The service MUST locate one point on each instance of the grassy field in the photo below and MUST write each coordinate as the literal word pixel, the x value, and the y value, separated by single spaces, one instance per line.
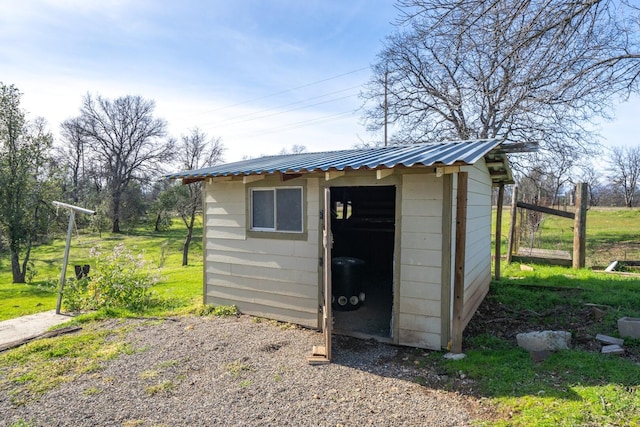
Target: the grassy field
pixel 612 234
pixel 580 386
pixel 179 286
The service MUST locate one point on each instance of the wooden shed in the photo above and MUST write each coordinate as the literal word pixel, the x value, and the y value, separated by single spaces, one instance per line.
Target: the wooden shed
pixel 406 231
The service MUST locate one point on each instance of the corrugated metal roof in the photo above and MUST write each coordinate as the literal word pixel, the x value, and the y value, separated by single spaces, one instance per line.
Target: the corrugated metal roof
pixel 444 153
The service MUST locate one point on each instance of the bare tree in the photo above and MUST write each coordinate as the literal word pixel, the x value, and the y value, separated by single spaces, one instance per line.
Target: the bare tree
pixel 589 174
pixel 126 140
pixel 625 168
pixel 519 70
pixel 194 151
pixel 295 149
pixel 73 156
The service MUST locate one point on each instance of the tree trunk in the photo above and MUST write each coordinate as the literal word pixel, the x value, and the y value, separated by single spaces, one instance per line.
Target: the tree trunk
pixel 158 218
pixel 187 240
pixel 185 247
pixel 18 274
pixel 116 213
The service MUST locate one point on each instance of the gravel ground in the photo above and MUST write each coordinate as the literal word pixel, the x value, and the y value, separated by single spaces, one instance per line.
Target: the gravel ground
pixel 238 371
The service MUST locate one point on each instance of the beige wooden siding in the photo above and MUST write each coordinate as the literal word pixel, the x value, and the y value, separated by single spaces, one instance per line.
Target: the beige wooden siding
pixel 478 245
pixel 419 307
pixel 275 278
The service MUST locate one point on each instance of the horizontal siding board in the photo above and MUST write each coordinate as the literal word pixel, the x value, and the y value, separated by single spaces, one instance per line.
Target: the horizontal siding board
pixel 308 278
pixel 420 306
pixel 218 268
pixel 421 224
pixel 419 323
pixel 262 286
pixel 283 302
pixel 225 209
pixel 420 290
pixel 227 192
pixel 300 318
pixel 426 241
pixel 265 247
pixel 414 273
pixel 232 221
pixel 419 339
pixel 422 186
pixel 264 260
pixel 427 258
pixel 226 233
pixel 422 208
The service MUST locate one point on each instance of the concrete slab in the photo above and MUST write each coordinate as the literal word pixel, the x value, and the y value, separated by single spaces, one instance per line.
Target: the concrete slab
pixel 30 326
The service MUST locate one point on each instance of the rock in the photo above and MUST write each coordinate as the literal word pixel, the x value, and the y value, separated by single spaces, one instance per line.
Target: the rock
pixel 455 356
pixel 598 314
pixel 612 349
pixel 606 339
pixel 629 327
pixel 544 340
pixel 525 267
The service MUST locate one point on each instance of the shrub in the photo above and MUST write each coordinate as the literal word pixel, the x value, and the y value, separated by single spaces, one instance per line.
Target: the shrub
pixel 118 280
pixel 217 310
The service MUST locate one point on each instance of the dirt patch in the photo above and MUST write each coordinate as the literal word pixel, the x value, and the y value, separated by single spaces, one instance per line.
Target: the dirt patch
pixel 585 322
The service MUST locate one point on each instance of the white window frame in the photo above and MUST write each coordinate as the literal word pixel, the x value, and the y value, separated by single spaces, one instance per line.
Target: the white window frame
pixel 275 210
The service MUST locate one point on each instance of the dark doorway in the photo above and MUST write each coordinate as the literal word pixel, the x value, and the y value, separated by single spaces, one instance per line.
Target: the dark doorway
pixel 363 227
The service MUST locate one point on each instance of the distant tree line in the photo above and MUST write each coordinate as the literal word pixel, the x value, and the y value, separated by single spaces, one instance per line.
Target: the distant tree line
pixel 612 178
pixel 110 158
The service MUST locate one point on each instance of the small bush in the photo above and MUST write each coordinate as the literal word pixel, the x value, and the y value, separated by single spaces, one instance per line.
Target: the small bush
pixel 118 280
pixel 217 310
pixel 76 294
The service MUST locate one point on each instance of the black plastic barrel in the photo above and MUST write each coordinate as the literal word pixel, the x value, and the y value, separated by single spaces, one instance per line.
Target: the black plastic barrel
pixel 347 276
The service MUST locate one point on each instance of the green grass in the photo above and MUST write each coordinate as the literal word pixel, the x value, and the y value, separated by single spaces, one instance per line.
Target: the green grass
pixel 569 388
pixel 180 287
pixel 574 387
pixel 43 364
pixel 612 234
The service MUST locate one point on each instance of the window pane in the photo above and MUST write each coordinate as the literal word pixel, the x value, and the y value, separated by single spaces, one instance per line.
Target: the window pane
pixel 262 209
pixel 289 209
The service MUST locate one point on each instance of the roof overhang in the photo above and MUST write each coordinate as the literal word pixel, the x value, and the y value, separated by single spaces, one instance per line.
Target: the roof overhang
pixel 436 155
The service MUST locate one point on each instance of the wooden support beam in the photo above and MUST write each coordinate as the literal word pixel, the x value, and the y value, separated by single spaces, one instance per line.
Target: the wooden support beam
pixel 252 178
pixel 580 226
pixel 459 266
pixel 495 164
pixel 383 173
pixel 546 210
pixel 220 179
pixel 512 227
pixel 287 176
pixel 498 238
pixel 329 175
pixel 191 180
pixel 446 169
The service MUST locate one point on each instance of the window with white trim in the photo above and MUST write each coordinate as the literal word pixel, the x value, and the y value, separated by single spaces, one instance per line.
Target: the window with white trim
pixel 277 209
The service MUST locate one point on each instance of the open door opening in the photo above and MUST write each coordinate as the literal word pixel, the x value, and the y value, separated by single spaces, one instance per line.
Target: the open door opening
pixel 363 227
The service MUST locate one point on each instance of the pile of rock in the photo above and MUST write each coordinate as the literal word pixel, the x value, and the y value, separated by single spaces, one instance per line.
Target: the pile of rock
pixel 610 345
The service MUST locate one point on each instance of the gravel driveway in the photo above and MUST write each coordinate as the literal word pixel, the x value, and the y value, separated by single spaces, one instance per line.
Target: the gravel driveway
pixel 240 371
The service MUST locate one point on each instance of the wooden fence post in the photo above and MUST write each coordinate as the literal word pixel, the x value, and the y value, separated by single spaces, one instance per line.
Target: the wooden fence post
pixel 498 238
pixel 512 226
pixel 459 265
pixel 580 226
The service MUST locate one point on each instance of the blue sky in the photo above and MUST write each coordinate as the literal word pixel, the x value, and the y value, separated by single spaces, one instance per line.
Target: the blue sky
pixel 262 75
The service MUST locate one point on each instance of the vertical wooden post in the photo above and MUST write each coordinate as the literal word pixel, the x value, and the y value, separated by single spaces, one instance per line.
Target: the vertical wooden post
pixel 498 238
pixel 458 278
pixel 580 226
pixel 512 226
